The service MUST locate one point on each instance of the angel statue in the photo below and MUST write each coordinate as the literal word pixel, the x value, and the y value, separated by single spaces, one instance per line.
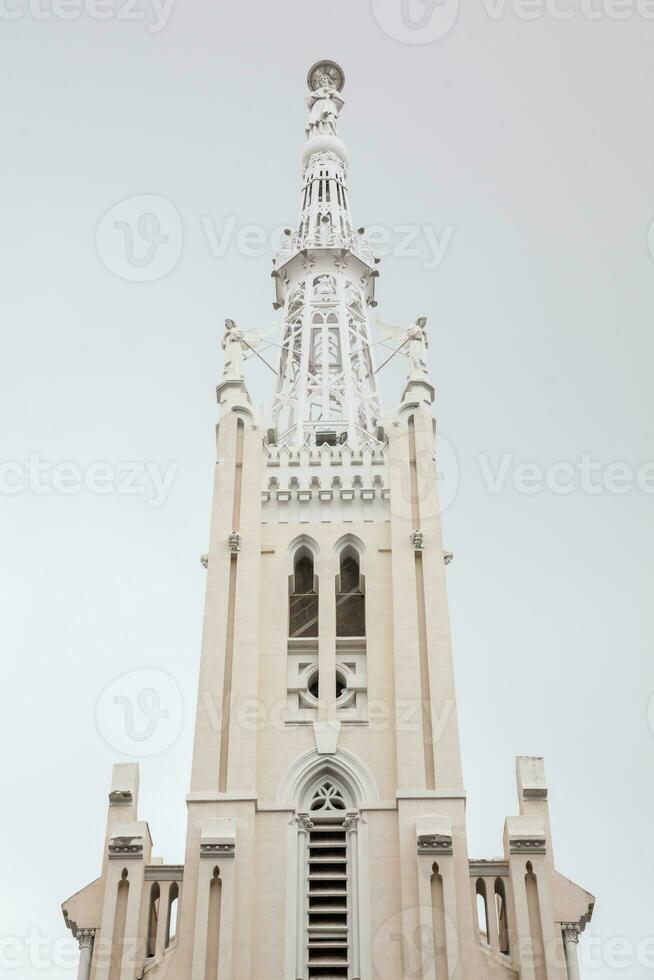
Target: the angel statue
pixel 234 341
pixel 416 339
pixel 325 103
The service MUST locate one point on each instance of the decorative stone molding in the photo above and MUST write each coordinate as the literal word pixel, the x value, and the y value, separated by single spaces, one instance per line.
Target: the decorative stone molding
pixel 433 834
pixel 210 850
pixel 85 937
pixel 304 822
pixel 418 539
pixel 351 821
pixel 204 561
pixel 122 847
pixel 526 835
pixel 234 542
pixel 434 845
pixel 346 766
pixel 127 839
pixel 448 557
pixel 533 845
pixel 571 931
pixel 121 797
pixel 488 869
pixel 164 872
pixel 218 837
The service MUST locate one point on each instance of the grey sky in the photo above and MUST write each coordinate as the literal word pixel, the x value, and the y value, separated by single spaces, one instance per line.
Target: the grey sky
pixel 531 141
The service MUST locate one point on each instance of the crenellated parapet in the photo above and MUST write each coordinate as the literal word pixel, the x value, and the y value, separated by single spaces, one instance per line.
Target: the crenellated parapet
pixel 327 483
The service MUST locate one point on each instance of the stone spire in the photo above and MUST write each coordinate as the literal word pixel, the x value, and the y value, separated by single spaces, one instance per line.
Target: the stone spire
pixel 325 276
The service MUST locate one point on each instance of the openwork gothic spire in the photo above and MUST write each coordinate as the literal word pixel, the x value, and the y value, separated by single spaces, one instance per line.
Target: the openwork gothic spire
pixel 325 275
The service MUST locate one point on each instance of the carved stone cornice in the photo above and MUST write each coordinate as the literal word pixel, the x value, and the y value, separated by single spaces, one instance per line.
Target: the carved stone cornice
pixel 210 849
pixel 527 845
pixel 480 868
pixel 526 835
pixel 164 872
pixel 434 844
pixel 126 847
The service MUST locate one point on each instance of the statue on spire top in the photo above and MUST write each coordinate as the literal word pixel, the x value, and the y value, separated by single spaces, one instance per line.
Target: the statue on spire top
pixel 325 81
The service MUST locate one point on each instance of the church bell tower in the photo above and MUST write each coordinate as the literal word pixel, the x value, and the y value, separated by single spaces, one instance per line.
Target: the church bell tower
pixel 326 833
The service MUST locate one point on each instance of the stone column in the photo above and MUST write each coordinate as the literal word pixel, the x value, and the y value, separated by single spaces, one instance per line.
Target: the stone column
pixel 570 931
pixel 85 939
pixel 351 824
pixel 160 940
pixel 304 825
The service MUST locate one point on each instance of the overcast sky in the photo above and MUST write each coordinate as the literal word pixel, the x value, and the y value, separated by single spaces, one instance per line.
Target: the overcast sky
pixel 518 150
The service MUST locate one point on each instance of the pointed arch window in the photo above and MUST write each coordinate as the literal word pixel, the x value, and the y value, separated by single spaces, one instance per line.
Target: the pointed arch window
pixel 303 598
pixel 171 920
pixel 350 598
pixel 482 910
pixel 502 918
pixel 153 920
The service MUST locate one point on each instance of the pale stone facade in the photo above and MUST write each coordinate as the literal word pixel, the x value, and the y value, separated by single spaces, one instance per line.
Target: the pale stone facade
pixel 326 813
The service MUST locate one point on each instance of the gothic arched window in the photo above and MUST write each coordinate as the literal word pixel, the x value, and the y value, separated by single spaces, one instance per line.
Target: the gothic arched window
pixel 153 920
pixel 303 599
pixel 502 922
pixel 482 910
pixel 350 599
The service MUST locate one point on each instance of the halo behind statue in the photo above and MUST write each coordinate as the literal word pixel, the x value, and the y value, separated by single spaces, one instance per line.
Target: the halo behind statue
pixel 330 68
